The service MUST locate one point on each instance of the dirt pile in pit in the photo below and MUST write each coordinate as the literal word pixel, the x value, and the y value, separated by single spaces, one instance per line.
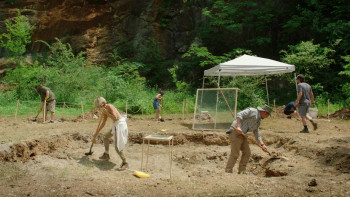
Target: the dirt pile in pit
pixel 204 116
pixel 279 112
pixel 341 114
pixel 274 166
pixel 93 114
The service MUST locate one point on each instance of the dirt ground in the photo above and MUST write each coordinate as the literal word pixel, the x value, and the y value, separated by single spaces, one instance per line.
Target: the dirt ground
pixel 39 159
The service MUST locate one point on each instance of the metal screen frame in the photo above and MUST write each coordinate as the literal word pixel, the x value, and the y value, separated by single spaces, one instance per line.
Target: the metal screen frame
pixel 218 92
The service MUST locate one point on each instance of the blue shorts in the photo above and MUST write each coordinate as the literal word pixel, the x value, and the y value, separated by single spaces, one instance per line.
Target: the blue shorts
pixel 156 104
pixel 303 109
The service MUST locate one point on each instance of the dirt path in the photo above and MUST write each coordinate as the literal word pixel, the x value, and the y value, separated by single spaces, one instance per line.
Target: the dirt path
pixel 48 160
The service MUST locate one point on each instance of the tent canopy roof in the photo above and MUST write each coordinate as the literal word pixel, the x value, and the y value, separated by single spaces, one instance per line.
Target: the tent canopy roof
pixel 247 65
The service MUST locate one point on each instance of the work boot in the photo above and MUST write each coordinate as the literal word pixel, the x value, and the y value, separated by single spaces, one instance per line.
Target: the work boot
pixel 314 124
pixel 305 130
pixel 105 156
pixel 124 166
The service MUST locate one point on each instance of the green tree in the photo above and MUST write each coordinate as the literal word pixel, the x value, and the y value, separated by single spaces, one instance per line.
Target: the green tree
pixel 17 37
pixel 315 63
pixel 346 86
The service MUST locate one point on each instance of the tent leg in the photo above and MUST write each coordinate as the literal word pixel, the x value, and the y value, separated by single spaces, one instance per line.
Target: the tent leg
pixel 217 98
pixel 267 92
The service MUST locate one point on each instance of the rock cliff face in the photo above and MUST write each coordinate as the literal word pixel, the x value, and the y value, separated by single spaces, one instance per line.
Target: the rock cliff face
pixel 99 26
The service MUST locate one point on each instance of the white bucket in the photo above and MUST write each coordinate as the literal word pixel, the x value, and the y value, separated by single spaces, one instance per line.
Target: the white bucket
pixel 313 112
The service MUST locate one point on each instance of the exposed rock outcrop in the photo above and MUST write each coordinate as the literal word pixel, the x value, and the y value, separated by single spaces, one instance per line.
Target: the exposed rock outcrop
pixel 96 27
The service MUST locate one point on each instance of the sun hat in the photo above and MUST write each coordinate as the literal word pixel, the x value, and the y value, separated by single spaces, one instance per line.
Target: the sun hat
pixel 266 108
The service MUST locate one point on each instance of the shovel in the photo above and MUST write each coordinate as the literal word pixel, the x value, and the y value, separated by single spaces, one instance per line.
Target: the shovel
pixel 245 136
pixel 161 113
pixel 251 140
pixel 41 108
pixel 95 136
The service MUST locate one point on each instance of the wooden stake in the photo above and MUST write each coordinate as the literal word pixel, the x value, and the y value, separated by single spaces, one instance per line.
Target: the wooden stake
pixel 64 105
pixel 82 110
pixel 16 110
pixel 328 110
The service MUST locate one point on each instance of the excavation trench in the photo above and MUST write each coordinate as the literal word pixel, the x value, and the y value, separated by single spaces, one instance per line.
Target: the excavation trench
pixel 259 164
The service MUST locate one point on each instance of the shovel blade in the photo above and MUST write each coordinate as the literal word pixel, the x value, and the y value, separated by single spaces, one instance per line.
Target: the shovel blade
pixel 89 153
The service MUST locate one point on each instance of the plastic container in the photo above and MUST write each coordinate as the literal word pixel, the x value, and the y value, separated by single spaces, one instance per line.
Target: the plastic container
pixel 313 112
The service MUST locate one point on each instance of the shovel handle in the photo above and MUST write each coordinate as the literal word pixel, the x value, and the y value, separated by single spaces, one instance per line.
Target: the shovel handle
pixel 251 140
pixel 97 131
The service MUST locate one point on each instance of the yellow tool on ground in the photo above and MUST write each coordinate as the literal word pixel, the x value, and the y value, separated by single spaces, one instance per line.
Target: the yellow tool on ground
pixel 141 174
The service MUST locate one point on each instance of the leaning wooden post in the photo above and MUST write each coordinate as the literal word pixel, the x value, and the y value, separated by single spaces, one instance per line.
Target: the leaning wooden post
pixel 16 110
pixel 82 110
pixel 64 105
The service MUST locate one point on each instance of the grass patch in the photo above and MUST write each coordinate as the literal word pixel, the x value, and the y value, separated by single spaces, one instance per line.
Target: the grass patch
pixel 333 107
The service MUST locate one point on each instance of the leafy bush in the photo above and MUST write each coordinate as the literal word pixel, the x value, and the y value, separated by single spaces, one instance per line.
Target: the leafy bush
pixel 17 37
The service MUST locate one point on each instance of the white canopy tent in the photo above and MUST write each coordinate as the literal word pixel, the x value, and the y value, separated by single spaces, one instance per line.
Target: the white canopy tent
pixel 247 65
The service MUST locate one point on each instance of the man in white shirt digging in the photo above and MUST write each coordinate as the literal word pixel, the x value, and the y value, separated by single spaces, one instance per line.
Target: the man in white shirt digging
pixel 119 130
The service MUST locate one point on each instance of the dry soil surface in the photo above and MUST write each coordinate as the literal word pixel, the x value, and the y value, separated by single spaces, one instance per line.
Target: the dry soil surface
pixel 39 159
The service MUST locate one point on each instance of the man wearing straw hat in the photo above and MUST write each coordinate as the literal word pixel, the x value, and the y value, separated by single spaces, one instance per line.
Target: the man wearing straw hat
pixel 119 130
pixel 47 95
pixel 304 99
pixel 247 120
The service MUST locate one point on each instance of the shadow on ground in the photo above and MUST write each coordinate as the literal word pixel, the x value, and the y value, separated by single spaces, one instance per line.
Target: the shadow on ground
pixel 100 164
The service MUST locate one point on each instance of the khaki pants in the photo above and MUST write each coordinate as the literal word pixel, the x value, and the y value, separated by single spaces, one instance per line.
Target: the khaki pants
pixel 50 106
pixel 107 136
pixel 238 143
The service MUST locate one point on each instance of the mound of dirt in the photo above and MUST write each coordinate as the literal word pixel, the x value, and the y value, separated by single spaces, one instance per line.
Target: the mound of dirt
pixel 26 150
pixel 341 114
pixel 279 112
pixel 203 116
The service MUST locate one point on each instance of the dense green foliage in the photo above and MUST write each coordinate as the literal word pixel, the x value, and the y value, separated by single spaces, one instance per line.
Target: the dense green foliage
pixel 17 38
pixel 73 80
pixel 314 35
